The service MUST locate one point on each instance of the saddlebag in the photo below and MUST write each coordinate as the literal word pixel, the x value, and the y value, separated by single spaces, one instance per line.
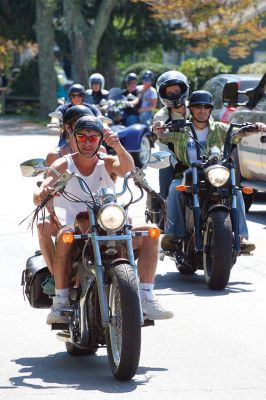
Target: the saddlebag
pixel 33 276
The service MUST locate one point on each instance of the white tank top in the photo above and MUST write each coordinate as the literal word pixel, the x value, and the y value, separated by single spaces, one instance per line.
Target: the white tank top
pixel 67 210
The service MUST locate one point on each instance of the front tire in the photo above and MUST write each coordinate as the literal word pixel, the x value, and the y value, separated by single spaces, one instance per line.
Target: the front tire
pixel 217 249
pixel 143 155
pixel 123 335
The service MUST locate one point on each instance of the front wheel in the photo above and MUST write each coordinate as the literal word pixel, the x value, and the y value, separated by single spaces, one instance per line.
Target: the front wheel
pixel 218 249
pixel 123 335
pixel 143 155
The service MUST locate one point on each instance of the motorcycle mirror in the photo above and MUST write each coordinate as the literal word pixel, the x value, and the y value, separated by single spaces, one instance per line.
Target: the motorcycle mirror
pixel 55 114
pixel 159 160
pixel 231 95
pixel 33 167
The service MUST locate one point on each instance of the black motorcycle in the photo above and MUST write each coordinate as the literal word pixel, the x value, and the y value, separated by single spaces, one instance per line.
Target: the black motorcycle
pixel 212 240
pixel 105 307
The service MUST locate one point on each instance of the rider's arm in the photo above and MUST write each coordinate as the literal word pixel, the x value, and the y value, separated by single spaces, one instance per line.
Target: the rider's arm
pixel 121 163
pixel 57 168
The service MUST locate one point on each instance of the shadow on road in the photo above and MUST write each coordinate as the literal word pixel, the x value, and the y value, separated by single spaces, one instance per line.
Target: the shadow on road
pixel 195 284
pixel 81 373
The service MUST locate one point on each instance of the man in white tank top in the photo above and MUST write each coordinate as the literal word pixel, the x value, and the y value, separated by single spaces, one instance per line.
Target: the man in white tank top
pixel 85 141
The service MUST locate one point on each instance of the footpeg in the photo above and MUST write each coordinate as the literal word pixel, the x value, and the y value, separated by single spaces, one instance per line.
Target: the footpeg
pixel 59 327
pixel 148 322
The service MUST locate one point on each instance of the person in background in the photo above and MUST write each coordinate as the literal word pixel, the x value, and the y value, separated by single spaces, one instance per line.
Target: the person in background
pixel 131 114
pixel 148 98
pixel 96 92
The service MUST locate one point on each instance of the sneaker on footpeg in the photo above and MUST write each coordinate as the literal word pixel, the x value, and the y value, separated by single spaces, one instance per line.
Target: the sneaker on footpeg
pixel 152 309
pixel 246 247
pixel 55 317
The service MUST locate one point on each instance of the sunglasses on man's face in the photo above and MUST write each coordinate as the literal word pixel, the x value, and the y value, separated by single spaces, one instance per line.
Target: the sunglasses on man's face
pixel 76 95
pixel 83 138
pixel 200 106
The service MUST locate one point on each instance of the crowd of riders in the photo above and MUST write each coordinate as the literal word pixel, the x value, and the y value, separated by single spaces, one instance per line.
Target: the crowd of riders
pixel 82 135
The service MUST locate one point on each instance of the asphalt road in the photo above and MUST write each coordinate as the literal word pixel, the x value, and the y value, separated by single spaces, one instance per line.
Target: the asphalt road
pixel 213 349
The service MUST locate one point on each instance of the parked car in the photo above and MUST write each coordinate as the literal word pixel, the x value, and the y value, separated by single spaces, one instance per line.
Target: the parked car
pixel 250 154
pixel 216 85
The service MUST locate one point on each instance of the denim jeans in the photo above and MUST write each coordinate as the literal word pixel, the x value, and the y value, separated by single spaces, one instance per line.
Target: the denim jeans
pixel 165 179
pixel 175 221
pixel 131 119
pixel 145 117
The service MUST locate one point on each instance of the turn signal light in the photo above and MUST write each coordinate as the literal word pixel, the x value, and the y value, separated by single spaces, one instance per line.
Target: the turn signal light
pixel 181 188
pixel 68 237
pixel 154 232
pixel 247 190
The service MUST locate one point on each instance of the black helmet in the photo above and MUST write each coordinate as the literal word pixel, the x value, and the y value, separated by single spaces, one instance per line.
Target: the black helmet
pixel 131 77
pixel 76 88
pixel 89 122
pixel 96 78
pixel 171 78
pixel 76 112
pixel 148 76
pixel 200 97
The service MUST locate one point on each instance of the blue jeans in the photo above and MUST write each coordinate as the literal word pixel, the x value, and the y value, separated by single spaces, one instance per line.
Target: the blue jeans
pixel 175 221
pixel 145 117
pixel 131 119
pixel 165 179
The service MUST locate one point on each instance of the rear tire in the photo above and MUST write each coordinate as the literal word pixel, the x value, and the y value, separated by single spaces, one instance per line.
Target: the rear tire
pixel 123 335
pixel 76 351
pixel 218 249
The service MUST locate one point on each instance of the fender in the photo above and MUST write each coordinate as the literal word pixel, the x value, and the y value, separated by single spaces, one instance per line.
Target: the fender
pixel 130 136
pixel 218 206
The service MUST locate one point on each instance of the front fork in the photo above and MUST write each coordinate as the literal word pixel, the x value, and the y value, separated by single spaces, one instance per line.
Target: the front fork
pixel 234 211
pixel 196 209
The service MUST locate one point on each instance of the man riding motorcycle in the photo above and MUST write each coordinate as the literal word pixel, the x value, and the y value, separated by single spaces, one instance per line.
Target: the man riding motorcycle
pixel 98 171
pixel 131 114
pixel 172 88
pixel 209 134
pixel 96 92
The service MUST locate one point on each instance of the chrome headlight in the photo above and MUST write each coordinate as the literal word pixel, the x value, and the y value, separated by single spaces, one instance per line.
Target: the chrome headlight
pixel 217 175
pixel 111 217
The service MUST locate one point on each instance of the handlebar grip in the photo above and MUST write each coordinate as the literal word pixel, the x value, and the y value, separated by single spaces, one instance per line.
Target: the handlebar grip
pixel 45 201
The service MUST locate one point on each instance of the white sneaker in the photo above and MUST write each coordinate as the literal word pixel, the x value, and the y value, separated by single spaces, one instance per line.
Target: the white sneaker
pixel 55 317
pixel 152 309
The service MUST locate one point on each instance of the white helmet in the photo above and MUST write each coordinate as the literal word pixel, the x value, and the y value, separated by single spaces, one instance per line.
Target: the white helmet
pixel 96 78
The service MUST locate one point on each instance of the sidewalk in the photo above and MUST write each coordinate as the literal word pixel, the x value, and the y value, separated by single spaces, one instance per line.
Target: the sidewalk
pixel 13 125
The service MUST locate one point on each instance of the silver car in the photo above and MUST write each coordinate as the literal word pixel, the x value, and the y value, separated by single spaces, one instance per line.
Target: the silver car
pixel 250 154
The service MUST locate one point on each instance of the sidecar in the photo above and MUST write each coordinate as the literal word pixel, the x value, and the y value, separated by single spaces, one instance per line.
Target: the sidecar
pixel 137 140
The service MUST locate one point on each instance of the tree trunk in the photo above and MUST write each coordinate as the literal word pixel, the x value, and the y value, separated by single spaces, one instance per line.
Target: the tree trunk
pixel 78 34
pixel 46 59
pixel 84 40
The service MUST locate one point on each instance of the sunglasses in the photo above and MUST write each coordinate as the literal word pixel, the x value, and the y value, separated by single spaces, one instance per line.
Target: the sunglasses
pixel 200 106
pixel 83 138
pixel 76 95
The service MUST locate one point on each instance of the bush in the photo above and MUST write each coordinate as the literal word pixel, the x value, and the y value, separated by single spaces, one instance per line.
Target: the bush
pixel 254 68
pixel 198 71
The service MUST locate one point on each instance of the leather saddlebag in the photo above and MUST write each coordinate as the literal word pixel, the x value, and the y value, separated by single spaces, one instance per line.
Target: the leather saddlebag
pixel 33 277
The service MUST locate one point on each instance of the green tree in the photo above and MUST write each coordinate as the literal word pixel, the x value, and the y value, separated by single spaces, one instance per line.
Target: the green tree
pixel 215 23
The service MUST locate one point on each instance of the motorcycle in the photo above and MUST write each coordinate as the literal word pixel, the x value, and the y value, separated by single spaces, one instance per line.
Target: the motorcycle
pixel 212 240
pixel 105 307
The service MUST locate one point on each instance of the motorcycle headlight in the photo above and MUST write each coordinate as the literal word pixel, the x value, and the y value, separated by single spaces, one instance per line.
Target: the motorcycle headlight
pixel 111 217
pixel 218 175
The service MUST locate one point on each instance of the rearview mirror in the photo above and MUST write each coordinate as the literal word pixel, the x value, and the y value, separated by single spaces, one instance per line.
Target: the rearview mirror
pixel 159 160
pixel 33 167
pixel 230 94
